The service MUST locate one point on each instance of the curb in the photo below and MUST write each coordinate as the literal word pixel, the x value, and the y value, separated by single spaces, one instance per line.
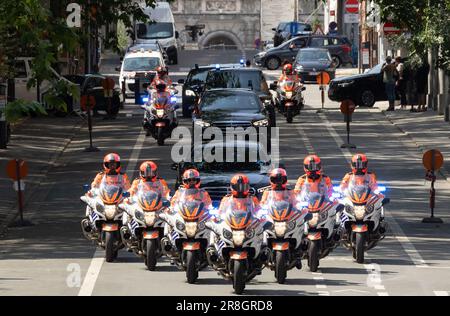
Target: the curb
pixel 443 172
pixel 51 163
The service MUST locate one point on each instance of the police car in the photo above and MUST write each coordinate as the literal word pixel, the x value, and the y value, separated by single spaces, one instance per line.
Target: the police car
pixel 140 63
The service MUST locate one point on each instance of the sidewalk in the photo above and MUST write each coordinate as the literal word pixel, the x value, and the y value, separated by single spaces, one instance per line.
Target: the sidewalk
pixel 39 141
pixel 427 130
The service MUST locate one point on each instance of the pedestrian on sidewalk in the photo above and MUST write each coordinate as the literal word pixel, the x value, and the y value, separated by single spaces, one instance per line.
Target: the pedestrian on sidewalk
pixel 401 82
pixel 390 73
pixel 421 79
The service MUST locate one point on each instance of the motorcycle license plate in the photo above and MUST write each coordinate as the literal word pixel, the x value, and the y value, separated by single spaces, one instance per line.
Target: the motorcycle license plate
pixel 108 227
pixel 280 245
pixel 160 124
pixel 151 234
pixel 359 228
pixel 191 245
pixel 238 255
pixel 289 104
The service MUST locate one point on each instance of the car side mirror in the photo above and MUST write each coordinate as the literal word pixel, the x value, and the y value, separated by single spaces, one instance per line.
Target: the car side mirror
pixel 177 34
pixel 274 29
pixel 174 166
pixel 181 81
pixel 273 86
pixel 117 68
pixel 386 201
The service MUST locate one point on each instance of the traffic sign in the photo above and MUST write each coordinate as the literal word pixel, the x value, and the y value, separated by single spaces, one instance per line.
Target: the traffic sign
pixel 352 6
pixel 433 160
pixel 87 100
pixel 347 107
pixel 390 29
pixel 323 78
pixel 17 168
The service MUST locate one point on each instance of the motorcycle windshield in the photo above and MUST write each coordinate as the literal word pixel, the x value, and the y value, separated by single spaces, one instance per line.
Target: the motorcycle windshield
pixel 191 206
pixel 149 199
pixel 110 192
pixel 310 188
pixel 288 85
pixel 238 214
pixel 359 193
pixel 316 202
pixel 281 210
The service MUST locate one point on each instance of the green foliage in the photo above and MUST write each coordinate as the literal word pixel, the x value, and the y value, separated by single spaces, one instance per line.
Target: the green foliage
pixel 17 109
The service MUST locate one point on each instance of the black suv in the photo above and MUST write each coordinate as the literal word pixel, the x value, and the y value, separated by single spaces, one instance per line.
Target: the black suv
pixel 247 78
pixel 216 175
pixel 338 46
pixel 284 31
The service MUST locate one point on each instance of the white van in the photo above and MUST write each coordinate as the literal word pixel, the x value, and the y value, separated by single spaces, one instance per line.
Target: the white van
pixel 163 31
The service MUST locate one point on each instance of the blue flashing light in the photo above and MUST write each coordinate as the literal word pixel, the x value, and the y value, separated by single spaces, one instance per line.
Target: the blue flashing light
pixel 242 61
pixel 144 99
pixel 173 99
pixel 217 67
pixel 381 188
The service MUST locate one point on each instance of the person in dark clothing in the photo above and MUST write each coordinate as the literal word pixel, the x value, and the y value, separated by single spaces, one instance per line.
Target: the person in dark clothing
pixel 421 80
pixel 401 82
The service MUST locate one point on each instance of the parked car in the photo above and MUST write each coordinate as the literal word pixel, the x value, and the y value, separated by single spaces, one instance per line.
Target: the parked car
pixel 283 31
pixel 216 175
pixel 312 61
pixel 338 46
pixel 248 78
pixel 363 89
pixel 194 84
pixel 149 46
pixel 92 84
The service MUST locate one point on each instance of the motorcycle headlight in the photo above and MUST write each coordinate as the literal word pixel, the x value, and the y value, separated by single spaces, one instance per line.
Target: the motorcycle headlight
pixel 201 226
pixel 288 94
pixel 150 218
pixel 264 122
pixel 180 226
pixel 202 123
pixel 227 234
pixel 110 212
pixel 291 225
pixel 191 229
pixel 360 211
pixel 249 233
pixel 349 209
pixel 159 112
pixel 314 220
pixel 323 216
pixel 238 237
pixel 280 228
pixel 140 216
pixel 190 93
pixel 369 208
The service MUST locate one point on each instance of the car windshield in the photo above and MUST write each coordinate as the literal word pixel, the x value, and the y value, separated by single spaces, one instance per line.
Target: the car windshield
pixel 225 101
pixel 155 30
pixel 235 79
pixel 376 69
pixel 197 76
pixel 140 63
pixel 313 55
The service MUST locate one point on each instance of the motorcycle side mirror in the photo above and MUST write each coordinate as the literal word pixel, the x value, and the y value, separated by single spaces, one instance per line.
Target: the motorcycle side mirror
pixel 175 92
pixel 181 81
pixel 166 203
pixel 308 217
pixel 273 86
pixel 174 166
pixel 340 207
pixel 86 188
pixel 126 194
pixel 386 201
pixel 303 88
pixel 268 226
pixel 117 68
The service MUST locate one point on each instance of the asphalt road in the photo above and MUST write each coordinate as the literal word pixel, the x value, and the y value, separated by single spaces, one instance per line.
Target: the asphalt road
pixel 52 257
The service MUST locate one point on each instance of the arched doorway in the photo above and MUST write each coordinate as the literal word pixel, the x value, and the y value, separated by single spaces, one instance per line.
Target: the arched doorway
pixel 220 40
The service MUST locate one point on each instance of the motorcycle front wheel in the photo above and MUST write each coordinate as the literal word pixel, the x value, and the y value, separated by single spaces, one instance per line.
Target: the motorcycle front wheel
pixel 360 240
pixel 239 276
pixel 313 255
pixel 289 115
pixel 191 270
pixel 160 136
pixel 280 266
pixel 110 252
pixel 150 255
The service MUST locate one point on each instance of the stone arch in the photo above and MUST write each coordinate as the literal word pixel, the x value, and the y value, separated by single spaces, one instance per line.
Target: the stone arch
pixel 229 38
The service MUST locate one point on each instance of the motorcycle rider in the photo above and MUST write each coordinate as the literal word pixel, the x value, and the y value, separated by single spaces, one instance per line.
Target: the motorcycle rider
pixel 240 189
pixel 288 74
pixel 161 74
pixel 111 173
pixel 359 171
pixel 191 188
pixel 313 179
pixel 278 188
pixel 163 96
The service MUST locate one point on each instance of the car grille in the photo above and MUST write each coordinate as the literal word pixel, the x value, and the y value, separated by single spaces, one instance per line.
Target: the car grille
pixel 223 125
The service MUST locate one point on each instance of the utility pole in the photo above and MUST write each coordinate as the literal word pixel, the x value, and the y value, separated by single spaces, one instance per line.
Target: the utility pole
pixel 295 10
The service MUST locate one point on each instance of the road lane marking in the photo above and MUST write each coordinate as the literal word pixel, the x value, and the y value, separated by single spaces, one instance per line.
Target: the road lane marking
pixel 99 257
pixel 408 247
pixel 440 293
pixel 305 140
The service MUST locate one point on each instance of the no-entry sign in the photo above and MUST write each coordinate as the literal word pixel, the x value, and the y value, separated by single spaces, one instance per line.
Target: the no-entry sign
pixel 390 29
pixel 352 6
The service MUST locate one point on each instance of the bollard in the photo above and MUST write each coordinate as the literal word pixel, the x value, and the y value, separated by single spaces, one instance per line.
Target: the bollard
pixel 447 113
pixel 137 91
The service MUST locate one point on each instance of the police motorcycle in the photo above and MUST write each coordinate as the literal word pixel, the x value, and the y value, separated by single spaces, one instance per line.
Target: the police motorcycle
pixel 285 239
pixel 160 116
pixel 144 229
pixel 105 217
pixel 237 252
pixel 364 226
pixel 288 98
pixel 187 237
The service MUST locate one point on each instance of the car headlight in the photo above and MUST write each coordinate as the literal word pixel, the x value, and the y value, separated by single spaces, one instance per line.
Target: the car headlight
pixel 369 208
pixel 180 226
pixel 110 212
pixel 150 218
pixel 202 123
pixel 159 112
pixel 190 93
pixel 288 94
pixel 249 233
pixel 360 210
pixel 238 237
pixel 264 122
pixel 227 234
pixel 191 229
pixel 299 68
pixel 280 228
pixel 140 216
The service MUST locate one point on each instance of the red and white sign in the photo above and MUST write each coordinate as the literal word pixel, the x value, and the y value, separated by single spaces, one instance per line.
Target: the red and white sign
pixel 352 6
pixel 389 29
